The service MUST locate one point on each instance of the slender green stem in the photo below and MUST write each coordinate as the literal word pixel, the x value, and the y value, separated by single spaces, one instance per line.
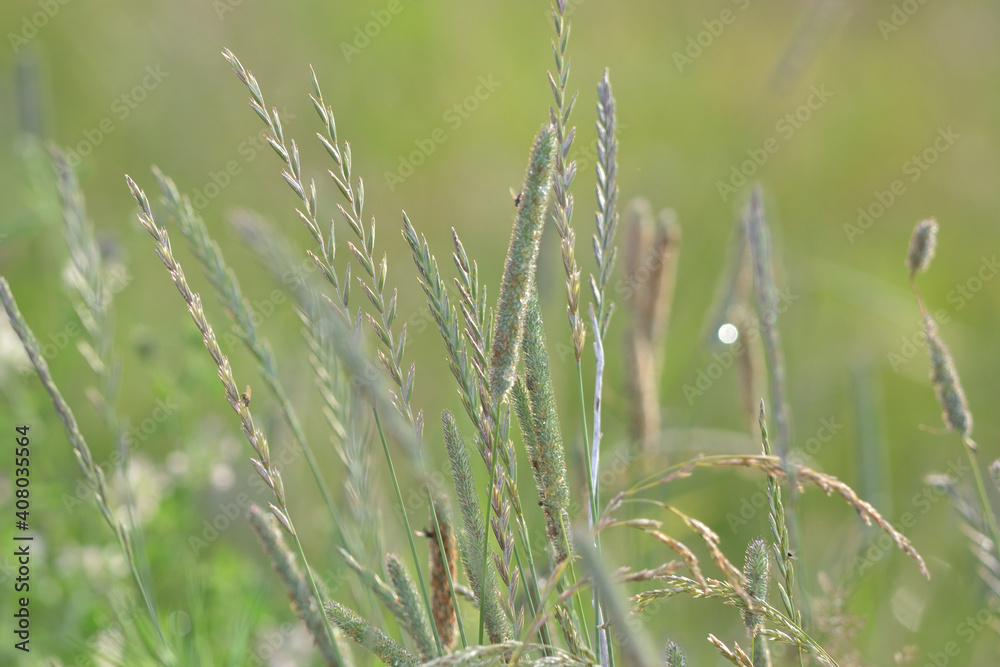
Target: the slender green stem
pixel 286 407
pixel 534 600
pixel 591 498
pixel 984 499
pixel 486 551
pixel 316 593
pixel 409 530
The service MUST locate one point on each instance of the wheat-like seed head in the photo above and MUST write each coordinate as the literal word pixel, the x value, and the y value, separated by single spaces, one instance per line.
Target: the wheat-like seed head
pixel 299 593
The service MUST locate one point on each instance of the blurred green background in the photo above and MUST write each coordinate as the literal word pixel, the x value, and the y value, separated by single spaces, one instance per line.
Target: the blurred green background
pixel 903 92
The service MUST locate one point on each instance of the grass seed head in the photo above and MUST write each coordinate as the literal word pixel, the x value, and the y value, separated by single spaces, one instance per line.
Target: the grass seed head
pixel 947 386
pixel 922 244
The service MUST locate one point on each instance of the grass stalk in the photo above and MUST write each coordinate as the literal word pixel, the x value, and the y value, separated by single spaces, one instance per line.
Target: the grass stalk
pixel 94 309
pixel 947 385
pixel 298 589
pixel 479 572
pixel 92 471
pixel 262 464
pixel 406 526
pixel 228 289
pixel 759 240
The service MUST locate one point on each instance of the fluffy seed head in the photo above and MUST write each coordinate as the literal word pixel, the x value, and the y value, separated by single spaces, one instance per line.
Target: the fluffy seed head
pixel 755 569
pixel 947 386
pixel 922 244
pixel 674 656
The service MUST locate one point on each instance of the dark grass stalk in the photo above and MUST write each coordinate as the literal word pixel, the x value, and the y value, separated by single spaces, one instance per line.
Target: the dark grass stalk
pixel 227 288
pixel 299 592
pixel 759 240
pixel 758 237
pixel 650 258
pixel 444 569
pixel 262 464
pixel 92 471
